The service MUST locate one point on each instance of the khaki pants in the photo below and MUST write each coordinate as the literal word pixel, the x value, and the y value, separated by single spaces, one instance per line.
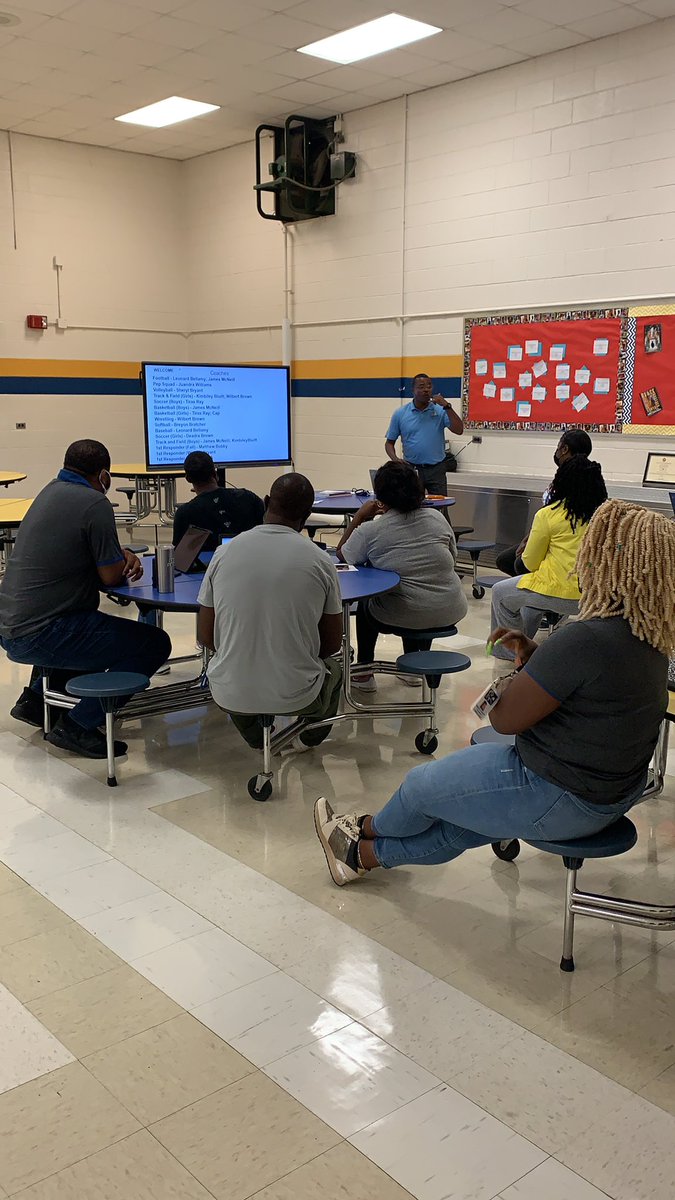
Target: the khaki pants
pixel 325 705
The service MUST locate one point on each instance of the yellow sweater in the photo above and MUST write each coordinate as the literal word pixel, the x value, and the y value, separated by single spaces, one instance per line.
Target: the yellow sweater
pixel 551 553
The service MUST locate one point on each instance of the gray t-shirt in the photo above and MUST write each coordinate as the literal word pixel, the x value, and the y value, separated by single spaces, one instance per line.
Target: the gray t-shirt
pixel 68 532
pixel 269 588
pixel 420 546
pixel 613 692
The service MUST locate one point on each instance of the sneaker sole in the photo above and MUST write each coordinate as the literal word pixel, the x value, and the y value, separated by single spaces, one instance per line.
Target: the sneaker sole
pixel 26 719
pixel 331 861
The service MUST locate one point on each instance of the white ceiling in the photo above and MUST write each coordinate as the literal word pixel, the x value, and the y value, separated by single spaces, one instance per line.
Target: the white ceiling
pixel 67 69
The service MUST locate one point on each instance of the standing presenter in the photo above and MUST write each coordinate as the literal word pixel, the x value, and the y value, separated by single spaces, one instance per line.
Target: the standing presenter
pixel 421 426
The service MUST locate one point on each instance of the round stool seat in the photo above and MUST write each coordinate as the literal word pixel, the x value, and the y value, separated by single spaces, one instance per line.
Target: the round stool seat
pixel 460 530
pixel 489 581
pixel 128 489
pixel 136 549
pixel 473 546
pixel 107 683
pixel 432 662
pixel 617 838
pixel 486 734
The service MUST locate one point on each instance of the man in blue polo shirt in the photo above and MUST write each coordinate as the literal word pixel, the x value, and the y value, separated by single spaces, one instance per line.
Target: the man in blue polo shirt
pixel 66 552
pixel 421 427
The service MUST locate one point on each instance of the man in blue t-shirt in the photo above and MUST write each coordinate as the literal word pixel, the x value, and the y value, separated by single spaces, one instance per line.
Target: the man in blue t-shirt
pixel 421 427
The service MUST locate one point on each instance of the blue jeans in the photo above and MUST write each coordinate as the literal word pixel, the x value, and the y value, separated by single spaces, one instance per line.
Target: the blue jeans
pixel 81 642
pixel 476 796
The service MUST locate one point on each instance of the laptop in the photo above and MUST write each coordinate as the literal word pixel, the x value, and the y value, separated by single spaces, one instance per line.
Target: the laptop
pixel 186 552
pixel 672 500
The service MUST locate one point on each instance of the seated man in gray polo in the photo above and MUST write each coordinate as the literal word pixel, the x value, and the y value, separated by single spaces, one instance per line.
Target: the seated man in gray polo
pixel 271 612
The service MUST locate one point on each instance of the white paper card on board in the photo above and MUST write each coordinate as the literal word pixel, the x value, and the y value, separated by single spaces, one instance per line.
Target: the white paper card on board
pixel 539 393
pixel 558 353
pixel 580 402
pixel 562 371
pixel 507 394
pixel 562 392
pixel 582 375
pixel 533 349
pixel 601 387
pixel 523 408
pixel 499 371
pixel 481 366
pixel 490 390
pixel 525 380
pixel 601 346
pixel 539 368
pixel 515 353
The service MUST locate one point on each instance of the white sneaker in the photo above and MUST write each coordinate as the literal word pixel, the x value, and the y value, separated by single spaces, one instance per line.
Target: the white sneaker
pixel 364 680
pixel 410 680
pixel 339 837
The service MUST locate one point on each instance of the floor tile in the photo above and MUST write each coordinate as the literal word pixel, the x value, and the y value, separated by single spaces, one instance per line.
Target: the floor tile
pixel 588 1030
pixel 52 1122
pixel 444 1146
pixel 351 1078
pixel 94 889
pixel 9 882
pixel 552 1181
pixel 20 825
pixel 36 861
pixel 661 1091
pixel 137 1168
pixel 356 974
pixel 142 926
pixel 166 1068
pixel 270 1018
pixel 28 1049
pixel 340 1174
pixel 24 913
pixel 442 1029
pixel 629 1154
pixel 244 1137
pixel 538 1090
pixel 202 968
pixel 50 961
pixel 103 1011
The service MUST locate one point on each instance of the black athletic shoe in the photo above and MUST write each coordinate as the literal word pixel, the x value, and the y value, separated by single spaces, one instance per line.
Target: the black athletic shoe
pixel 88 743
pixel 29 708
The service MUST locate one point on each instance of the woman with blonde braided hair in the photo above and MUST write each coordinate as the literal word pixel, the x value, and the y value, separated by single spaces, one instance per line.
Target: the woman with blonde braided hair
pixel 585 706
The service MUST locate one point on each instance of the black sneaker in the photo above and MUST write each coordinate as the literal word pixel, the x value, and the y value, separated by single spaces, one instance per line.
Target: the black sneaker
pixel 88 743
pixel 29 708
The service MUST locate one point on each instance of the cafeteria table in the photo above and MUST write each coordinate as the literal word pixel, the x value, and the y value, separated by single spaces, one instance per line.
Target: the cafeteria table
pixel 355 584
pixel 7 477
pixel 348 502
pixel 155 490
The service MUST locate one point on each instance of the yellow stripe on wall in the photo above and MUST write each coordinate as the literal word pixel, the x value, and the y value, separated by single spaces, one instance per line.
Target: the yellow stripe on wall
pixel 71 368
pixel 377 368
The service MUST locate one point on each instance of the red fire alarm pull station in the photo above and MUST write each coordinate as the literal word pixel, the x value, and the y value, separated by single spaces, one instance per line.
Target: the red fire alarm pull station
pixel 34 322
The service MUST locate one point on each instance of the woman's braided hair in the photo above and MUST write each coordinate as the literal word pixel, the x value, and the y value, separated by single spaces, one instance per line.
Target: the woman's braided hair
pixel 626 568
pixel 578 485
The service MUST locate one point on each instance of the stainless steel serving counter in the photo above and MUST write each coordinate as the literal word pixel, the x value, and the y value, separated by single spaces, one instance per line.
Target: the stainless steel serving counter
pixel 501 507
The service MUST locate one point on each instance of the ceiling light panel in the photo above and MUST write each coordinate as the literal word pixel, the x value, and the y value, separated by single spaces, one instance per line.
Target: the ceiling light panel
pixel 374 37
pixel 167 112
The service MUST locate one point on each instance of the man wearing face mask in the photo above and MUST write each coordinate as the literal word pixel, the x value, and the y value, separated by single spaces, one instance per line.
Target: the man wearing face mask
pixel 572 442
pixel 66 551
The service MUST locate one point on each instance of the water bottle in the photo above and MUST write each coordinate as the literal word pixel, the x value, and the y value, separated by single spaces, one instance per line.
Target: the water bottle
pixel 165 568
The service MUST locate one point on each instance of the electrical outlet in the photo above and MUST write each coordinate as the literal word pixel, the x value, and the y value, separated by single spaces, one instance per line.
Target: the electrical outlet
pixel 21 425
pixel 478 440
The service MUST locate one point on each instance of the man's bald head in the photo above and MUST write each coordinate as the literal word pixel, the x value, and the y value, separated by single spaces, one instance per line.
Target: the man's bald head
pixel 290 500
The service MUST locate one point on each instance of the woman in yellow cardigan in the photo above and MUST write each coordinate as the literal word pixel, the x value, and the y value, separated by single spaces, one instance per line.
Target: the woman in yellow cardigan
pixel 551 584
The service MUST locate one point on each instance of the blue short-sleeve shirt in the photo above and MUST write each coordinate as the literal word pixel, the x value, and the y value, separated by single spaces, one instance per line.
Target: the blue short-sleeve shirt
pixel 422 432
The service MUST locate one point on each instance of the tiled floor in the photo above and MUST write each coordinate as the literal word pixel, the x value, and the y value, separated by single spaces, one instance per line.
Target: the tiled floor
pixel 189 1009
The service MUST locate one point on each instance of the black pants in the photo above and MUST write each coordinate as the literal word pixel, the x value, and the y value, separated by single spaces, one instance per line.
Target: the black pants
pixel 433 477
pixel 368 629
pixel 510 563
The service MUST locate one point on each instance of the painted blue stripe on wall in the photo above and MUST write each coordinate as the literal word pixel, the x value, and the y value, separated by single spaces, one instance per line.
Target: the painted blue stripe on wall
pixel 391 389
pixel 38 385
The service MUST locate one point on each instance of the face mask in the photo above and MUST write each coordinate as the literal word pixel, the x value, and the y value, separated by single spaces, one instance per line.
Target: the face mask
pixel 556 459
pixel 105 482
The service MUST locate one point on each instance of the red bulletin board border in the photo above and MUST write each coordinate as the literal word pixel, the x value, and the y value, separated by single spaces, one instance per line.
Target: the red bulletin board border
pixel 610 408
pixel 649 397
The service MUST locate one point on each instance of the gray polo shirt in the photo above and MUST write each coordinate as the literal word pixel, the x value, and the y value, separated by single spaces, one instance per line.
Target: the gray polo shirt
pixel 68 532
pixel 269 588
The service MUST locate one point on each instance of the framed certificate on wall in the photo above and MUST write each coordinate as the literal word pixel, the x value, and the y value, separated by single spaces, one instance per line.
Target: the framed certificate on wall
pixel 659 471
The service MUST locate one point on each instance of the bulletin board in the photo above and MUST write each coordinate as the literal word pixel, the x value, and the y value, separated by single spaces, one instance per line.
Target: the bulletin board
pixel 649 393
pixel 546 370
